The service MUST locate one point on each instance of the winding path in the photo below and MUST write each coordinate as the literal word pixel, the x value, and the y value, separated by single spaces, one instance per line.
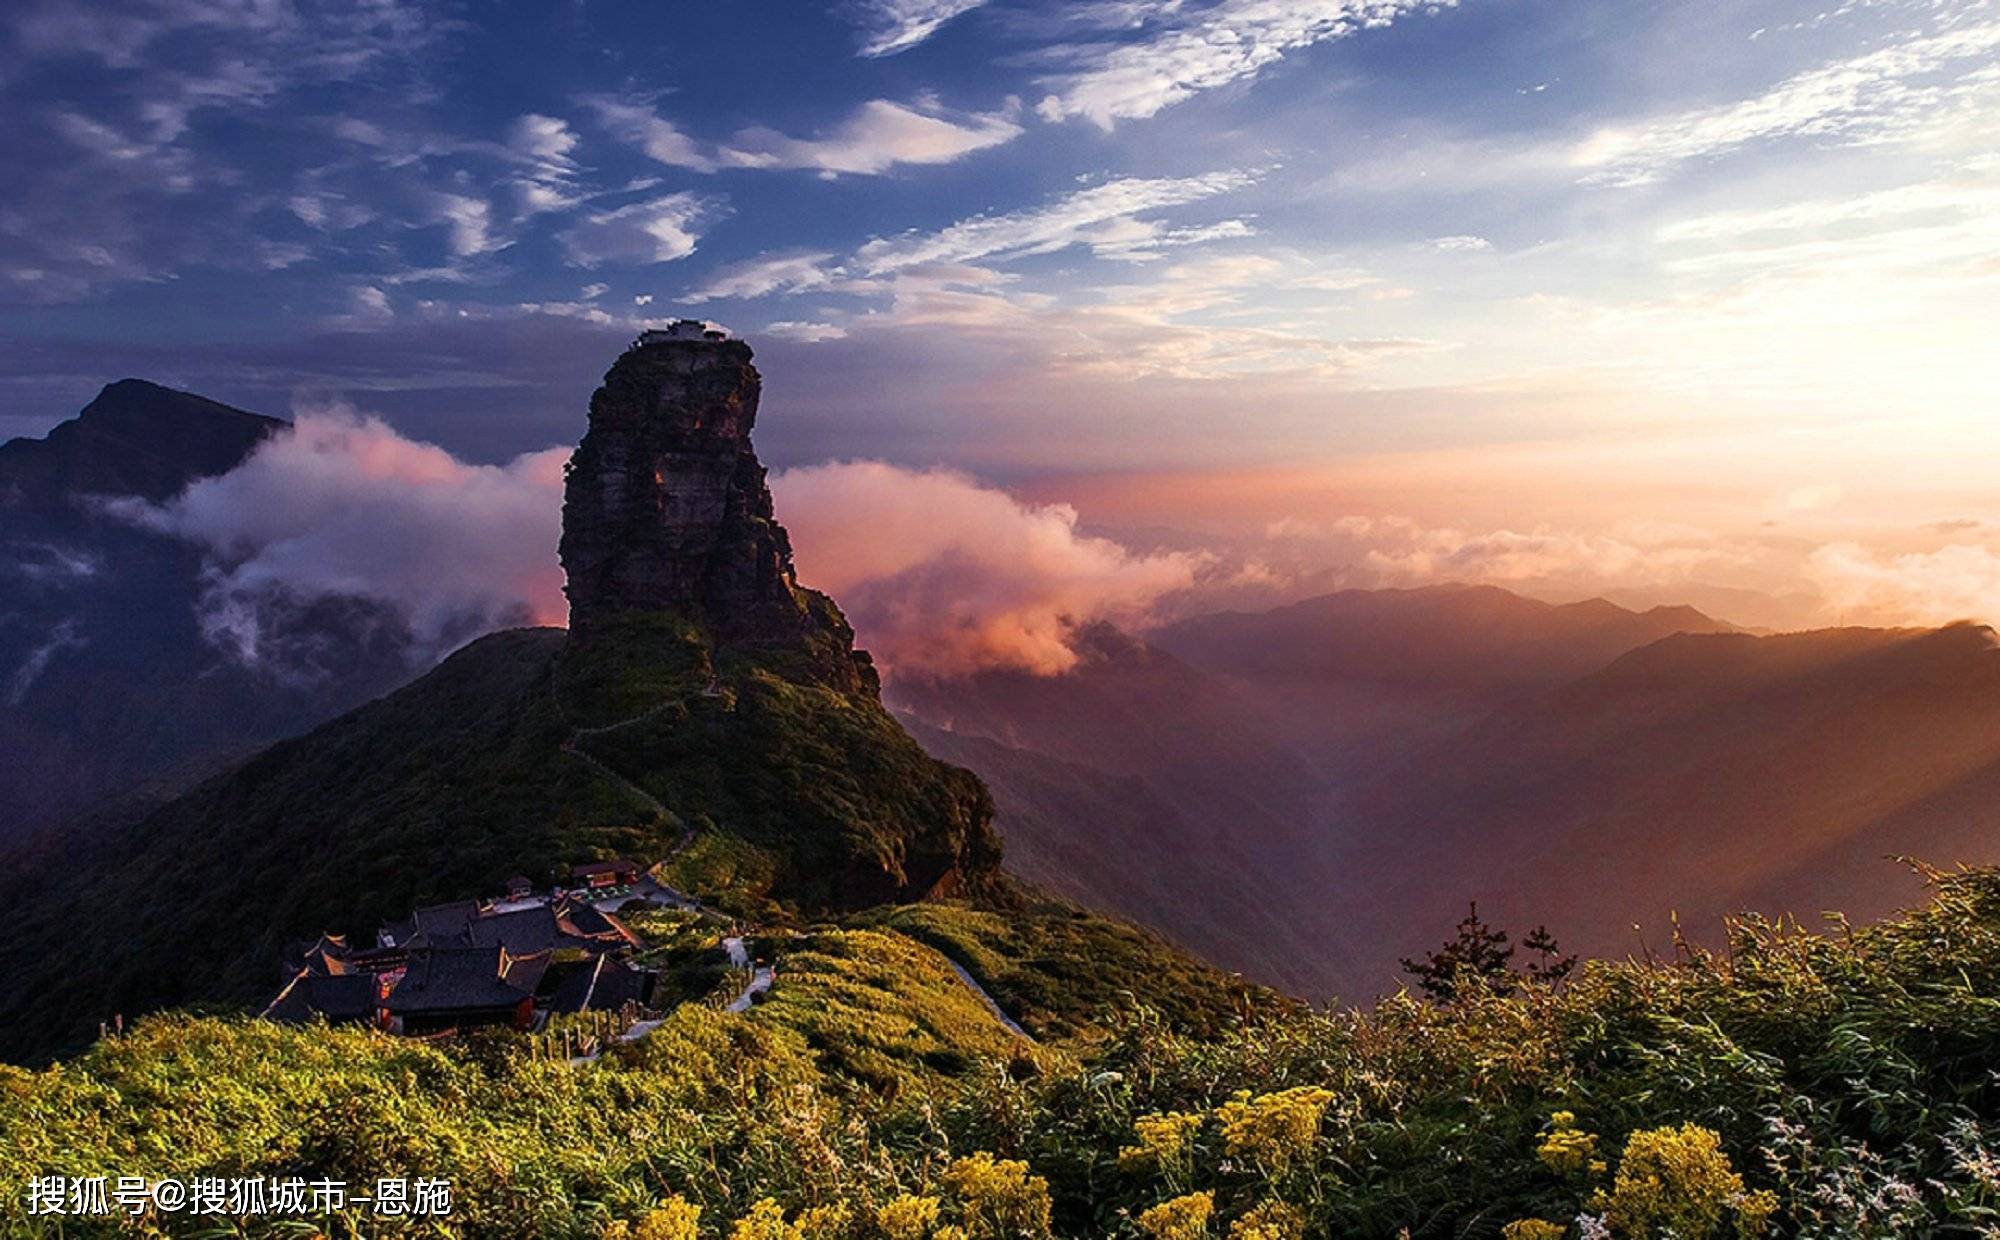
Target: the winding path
pixel 761 976
pixel 999 1014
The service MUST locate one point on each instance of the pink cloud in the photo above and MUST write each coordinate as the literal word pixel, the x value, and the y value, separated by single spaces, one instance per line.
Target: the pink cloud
pixel 942 576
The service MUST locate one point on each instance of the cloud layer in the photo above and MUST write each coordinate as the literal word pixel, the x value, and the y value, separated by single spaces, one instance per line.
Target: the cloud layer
pixel 876 136
pixel 343 507
pixel 942 576
pixel 1213 46
pixel 891 26
pixel 1960 581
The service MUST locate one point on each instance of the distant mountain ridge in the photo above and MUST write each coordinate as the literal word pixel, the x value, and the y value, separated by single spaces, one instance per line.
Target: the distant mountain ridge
pixel 1701 775
pixel 1448 635
pixel 107 683
pixel 134 438
pixel 1581 765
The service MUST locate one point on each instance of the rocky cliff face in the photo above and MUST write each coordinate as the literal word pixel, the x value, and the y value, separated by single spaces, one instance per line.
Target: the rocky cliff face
pixel 666 507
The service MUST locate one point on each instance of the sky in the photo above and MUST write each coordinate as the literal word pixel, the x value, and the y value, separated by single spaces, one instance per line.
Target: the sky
pixel 1669 301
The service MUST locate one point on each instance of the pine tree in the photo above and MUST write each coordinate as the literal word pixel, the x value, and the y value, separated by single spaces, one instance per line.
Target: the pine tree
pixel 1484 955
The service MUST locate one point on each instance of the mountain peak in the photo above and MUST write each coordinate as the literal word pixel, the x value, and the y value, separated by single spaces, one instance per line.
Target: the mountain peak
pixel 666 507
pixel 137 404
pixel 134 438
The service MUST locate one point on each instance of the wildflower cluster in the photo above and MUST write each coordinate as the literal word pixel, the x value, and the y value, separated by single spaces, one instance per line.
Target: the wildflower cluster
pixel 1678 1182
pixel 907 1218
pixel 674 1219
pixel 998 1198
pixel 1269 1220
pixel 1273 1130
pixel 1568 1150
pixel 1183 1218
pixel 1163 1141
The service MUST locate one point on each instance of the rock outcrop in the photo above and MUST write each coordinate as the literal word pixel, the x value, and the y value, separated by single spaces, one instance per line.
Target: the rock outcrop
pixel 666 506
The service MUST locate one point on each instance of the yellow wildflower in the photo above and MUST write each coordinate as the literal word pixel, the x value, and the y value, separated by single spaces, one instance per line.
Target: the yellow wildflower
pixel 1533 1229
pixel 907 1217
pixel 675 1219
pixel 998 1198
pixel 824 1222
pixel 1567 1149
pixel 1270 1220
pixel 1183 1218
pixel 766 1221
pixel 1678 1182
pixel 1275 1128
pixel 1163 1140
pixel 1753 1213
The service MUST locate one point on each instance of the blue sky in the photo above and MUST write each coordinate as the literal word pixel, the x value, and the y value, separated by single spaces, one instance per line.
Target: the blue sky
pixel 1027 238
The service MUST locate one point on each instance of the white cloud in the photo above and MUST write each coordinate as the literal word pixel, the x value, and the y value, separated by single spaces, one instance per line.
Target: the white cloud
pixel 469 224
pixel 1956 582
pixel 329 212
pixel 546 140
pixel 1399 550
pixel 1220 43
pixel 589 312
pixel 1460 244
pixel 60 638
pixel 640 126
pixel 544 144
pixel 891 26
pixel 1142 241
pixel 660 230
pixel 369 303
pixel 940 574
pixel 769 273
pixel 1896 93
pixel 341 506
pixel 805 333
pixel 1102 214
pixel 1191 320
pixel 878 136
pixel 1971 191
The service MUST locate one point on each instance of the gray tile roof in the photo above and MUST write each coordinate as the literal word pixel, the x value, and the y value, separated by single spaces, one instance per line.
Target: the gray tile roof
pixel 444 979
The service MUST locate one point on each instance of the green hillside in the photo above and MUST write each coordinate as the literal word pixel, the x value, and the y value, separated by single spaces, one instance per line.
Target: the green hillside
pixel 512 757
pixel 1826 1085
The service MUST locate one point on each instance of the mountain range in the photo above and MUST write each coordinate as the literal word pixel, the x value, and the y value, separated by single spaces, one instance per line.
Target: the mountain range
pixel 1303 795
pixel 1581 765
pixel 867 1020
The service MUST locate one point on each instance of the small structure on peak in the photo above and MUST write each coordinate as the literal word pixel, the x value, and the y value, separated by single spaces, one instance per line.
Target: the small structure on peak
pixel 683 329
